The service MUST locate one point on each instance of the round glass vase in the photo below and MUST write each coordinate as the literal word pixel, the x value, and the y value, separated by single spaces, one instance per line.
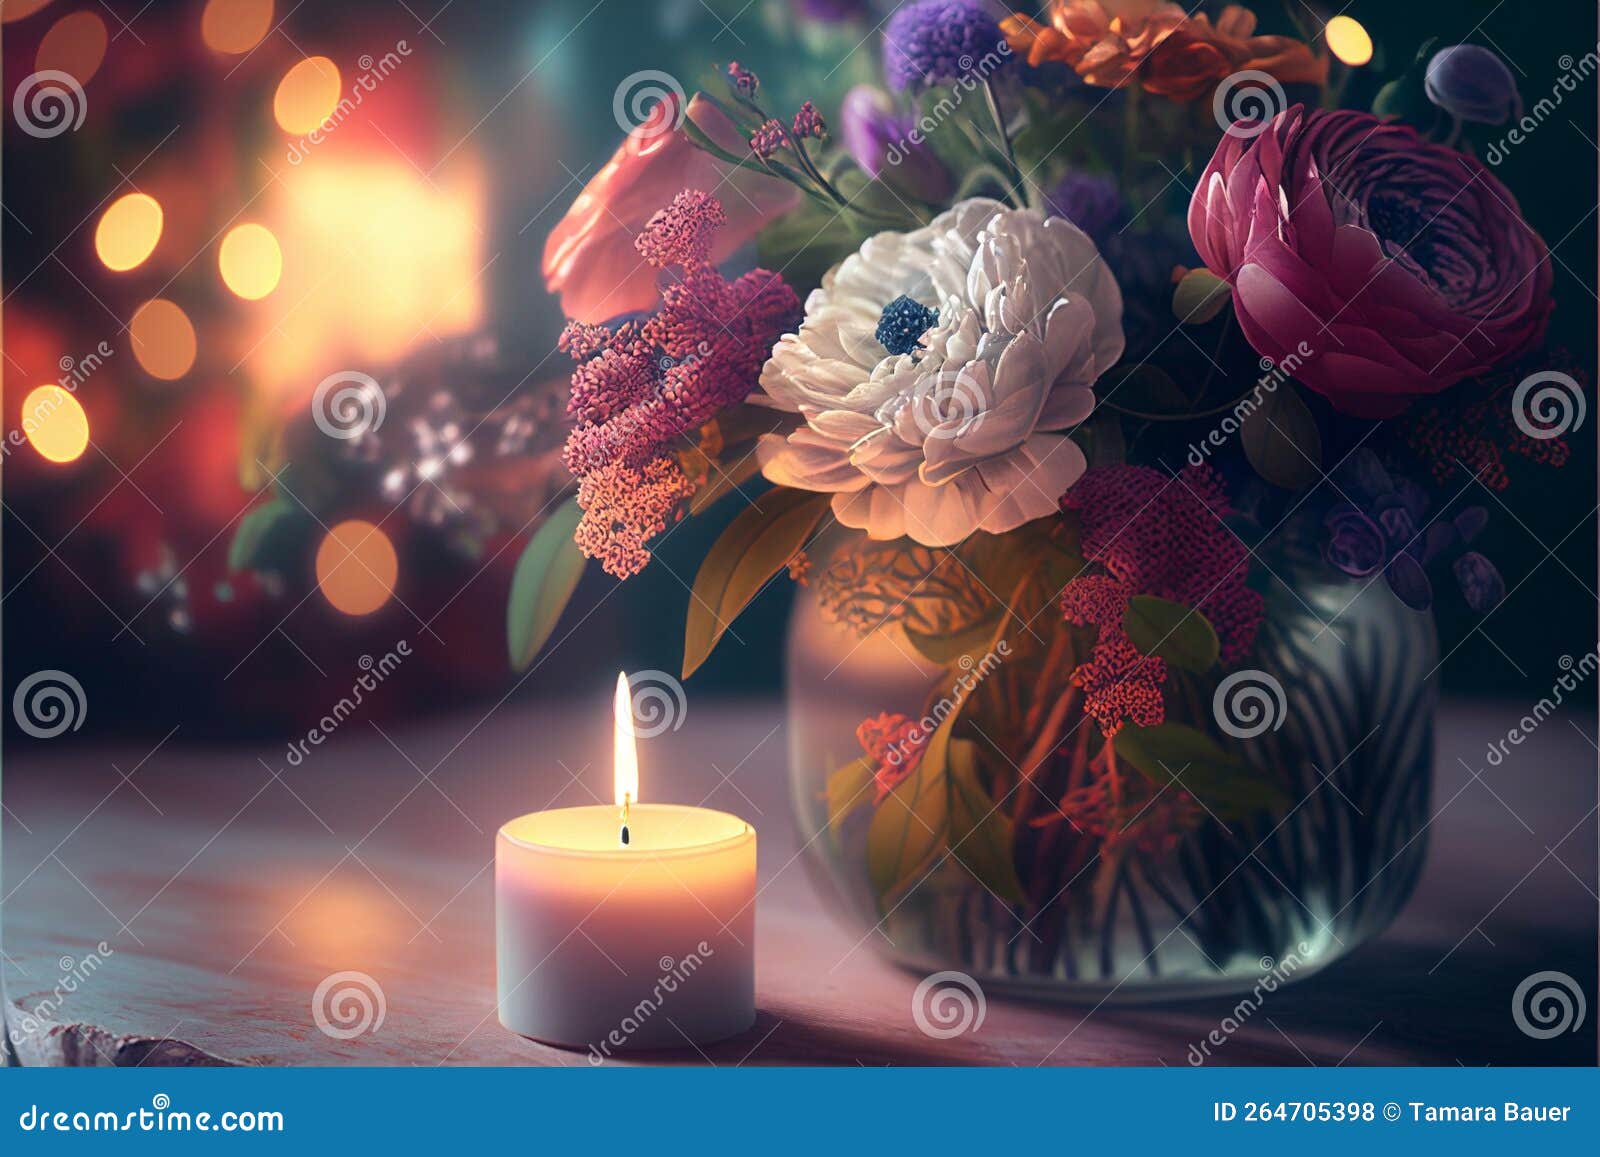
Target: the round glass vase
pixel 1177 895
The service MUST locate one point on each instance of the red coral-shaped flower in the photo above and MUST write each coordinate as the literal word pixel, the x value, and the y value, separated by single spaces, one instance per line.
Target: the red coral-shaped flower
pixel 893 745
pixel 1149 534
pixel 643 385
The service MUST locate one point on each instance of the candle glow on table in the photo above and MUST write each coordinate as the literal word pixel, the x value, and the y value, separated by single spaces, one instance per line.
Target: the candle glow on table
pixel 611 946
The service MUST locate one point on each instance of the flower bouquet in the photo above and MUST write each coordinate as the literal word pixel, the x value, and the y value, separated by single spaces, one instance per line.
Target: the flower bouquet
pixel 1123 400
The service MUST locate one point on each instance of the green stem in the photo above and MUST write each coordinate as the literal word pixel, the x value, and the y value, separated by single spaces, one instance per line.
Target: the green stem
pixel 1019 187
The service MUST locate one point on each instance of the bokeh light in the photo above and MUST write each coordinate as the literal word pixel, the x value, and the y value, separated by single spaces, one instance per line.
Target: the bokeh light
pixel 357 567
pixel 307 95
pixel 55 423
pixel 12 10
pixel 1348 40
pixel 128 231
pixel 235 26
pixel 75 45
pixel 163 339
pixel 250 261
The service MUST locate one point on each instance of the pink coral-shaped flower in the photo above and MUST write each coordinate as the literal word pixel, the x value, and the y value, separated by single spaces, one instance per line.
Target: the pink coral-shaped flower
pixel 1149 534
pixel 643 385
pixel 894 745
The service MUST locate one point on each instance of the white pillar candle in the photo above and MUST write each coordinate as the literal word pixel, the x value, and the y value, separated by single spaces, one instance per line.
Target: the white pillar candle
pixel 609 946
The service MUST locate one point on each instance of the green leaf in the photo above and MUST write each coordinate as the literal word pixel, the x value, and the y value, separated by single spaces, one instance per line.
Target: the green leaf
pixel 912 824
pixel 848 788
pixel 1171 631
pixel 980 834
pixel 1200 296
pixel 757 543
pixel 1169 752
pixel 546 575
pixel 947 648
pixel 269 536
pixel 1143 389
pixel 1281 440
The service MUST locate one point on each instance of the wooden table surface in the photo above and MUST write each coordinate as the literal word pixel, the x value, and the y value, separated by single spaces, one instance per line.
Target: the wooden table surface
pixel 227 885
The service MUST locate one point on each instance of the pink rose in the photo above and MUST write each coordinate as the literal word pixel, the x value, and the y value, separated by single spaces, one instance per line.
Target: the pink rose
pixel 1388 266
pixel 589 258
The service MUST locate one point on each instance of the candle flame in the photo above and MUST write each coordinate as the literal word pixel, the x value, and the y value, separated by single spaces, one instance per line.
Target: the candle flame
pixel 627 751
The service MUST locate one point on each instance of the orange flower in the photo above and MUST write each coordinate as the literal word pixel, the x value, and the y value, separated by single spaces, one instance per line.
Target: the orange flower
pixel 589 257
pixel 1175 55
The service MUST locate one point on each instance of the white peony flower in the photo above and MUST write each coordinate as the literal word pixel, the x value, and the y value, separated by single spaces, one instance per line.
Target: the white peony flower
pixel 957 423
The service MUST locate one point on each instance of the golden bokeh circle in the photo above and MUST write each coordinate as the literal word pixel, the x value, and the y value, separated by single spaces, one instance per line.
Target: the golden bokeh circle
pixel 54 422
pixel 357 567
pixel 163 339
pixel 250 261
pixel 1348 40
pixel 75 45
pixel 128 231
pixel 307 95
pixel 235 26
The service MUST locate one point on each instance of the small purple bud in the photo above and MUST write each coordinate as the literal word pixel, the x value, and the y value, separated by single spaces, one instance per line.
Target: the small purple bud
pixel 1409 582
pixel 1397 524
pixel 1365 475
pixel 1470 522
pixel 1481 583
pixel 1089 200
pixel 1471 82
pixel 882 144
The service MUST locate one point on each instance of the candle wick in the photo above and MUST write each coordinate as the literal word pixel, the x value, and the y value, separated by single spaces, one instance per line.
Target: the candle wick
pixel 627 800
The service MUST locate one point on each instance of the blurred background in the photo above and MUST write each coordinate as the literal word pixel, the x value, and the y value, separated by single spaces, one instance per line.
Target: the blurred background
pixel 261 196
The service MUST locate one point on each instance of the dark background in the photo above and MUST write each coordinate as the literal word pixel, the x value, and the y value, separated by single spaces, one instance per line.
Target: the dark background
pixel 536 79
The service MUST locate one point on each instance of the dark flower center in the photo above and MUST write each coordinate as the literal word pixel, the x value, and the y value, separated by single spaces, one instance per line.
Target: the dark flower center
pixel 902 324
pixel 1403 225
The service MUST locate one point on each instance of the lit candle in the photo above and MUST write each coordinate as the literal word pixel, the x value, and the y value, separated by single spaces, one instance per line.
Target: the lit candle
pixel 626 927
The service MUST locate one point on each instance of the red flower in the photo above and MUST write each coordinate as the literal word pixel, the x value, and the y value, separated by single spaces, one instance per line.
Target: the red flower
pixel 1388 266
pixel 894 745
pixel 1148 534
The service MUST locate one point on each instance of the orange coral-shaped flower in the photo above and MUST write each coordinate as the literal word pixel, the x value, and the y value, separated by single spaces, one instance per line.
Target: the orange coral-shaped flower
pixel 1173 54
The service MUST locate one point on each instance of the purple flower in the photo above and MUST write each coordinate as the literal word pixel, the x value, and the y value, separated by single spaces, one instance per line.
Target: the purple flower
pixel 1089 200
pixel 940 42
pixel 1470 82
pixel 1355 544
pixel 885 145
pixel 1480 582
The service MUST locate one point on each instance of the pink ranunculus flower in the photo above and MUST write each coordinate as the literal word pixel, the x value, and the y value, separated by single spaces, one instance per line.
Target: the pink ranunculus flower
pixel 589 257
pixel 1402 265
